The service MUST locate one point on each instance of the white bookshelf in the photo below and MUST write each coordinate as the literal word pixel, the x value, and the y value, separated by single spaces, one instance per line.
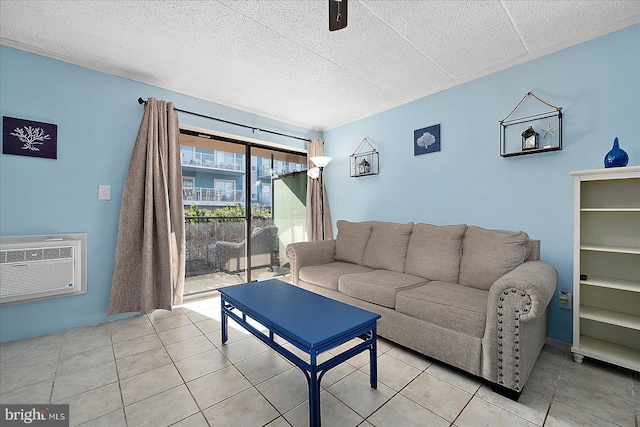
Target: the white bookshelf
pixel 606 303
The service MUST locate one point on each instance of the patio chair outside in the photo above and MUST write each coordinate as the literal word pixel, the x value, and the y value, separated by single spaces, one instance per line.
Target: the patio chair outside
pixel 230 257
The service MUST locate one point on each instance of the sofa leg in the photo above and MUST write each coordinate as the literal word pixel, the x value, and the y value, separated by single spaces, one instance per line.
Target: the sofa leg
pixel 506 392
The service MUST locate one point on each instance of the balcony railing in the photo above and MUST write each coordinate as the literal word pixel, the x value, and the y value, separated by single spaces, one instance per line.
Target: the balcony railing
pixel 281 169
pixel 214 161
pixel 201 194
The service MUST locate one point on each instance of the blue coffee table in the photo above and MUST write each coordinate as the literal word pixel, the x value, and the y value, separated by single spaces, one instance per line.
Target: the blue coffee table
pixel 309 321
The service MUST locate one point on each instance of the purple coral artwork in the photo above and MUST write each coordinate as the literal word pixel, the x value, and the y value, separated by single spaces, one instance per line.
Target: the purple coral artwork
pixel 28 138
pixel 426 140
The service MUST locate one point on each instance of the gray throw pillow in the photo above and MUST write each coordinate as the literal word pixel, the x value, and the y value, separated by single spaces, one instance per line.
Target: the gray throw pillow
pixel 434 252
pixel 387 247
pixel 351 240
pixel 488 255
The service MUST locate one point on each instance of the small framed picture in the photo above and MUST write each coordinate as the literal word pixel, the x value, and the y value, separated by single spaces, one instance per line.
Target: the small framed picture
pixel 426 140
pixel 28 138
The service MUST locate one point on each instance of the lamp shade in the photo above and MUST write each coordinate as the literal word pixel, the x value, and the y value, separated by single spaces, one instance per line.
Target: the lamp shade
pixel 320 161
pixel 313 173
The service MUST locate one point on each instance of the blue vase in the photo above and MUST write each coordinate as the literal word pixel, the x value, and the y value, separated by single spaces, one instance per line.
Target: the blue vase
pixel 617 157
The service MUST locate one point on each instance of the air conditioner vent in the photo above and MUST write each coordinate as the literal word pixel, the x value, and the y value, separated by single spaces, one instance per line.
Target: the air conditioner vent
pixel 37 267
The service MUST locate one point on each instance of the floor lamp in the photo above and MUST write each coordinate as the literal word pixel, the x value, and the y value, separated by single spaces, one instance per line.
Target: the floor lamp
pixel 321 162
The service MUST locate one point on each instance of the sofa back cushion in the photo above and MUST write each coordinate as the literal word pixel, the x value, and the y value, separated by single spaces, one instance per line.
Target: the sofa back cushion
pixel 387 246
pixel 434 252
pixel 351 240
pixel 487 255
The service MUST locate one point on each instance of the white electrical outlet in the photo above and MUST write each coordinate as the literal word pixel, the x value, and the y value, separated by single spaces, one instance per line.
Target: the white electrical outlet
pixel 104 192
pixel 565 300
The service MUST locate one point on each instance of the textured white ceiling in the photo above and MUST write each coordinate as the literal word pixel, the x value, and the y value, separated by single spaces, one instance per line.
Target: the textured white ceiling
pixel 278 58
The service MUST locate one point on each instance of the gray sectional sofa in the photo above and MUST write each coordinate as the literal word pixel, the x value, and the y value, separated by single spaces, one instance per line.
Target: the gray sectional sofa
pixel 472 298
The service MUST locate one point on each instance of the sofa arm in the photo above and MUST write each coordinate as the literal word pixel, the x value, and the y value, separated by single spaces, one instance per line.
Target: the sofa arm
pixel 309 253
pixel 516 326
pixel 535 279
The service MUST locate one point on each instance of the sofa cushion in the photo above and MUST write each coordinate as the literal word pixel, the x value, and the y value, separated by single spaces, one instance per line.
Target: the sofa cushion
pixel 377 286
pixel 387 246
pixel 434 252
pixel 351 240
pixel 452 306
pixel 327 275
pixel 488 255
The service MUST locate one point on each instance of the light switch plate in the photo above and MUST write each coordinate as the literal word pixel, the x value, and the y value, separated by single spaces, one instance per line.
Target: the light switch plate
pixel 104 192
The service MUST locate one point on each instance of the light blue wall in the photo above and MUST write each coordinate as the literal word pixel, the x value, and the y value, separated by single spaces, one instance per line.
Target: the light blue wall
pixel 98 118
pixel 598 85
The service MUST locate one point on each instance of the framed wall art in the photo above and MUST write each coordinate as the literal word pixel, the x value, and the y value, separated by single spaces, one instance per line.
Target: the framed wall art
pixel 29 138
pixel 426 140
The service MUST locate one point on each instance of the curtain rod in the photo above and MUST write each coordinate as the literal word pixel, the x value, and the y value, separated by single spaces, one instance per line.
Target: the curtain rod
pixel 253 129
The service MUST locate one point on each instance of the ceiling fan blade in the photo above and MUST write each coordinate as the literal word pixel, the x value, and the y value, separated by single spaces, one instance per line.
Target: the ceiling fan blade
pixel 337 14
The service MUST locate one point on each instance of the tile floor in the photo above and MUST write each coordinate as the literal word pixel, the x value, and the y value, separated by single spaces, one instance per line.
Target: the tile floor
pixel 169 368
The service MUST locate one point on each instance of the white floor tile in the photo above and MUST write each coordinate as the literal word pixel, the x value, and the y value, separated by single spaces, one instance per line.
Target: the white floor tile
pixel 178 334
pixel 79 342
pixel 248 408
pixel 93 404
pixel 401 411
pixel 332 413
pixel 142 362
pixel 17 372
pixel 85 359
pixel 34 393
pixel 356 392
pixel 170 322
pixel 480 413
pixel 218 386
pixel 531 406
pixel 195 420
pixel 189 347
pixel 112 419
pixel 169 369
pixel 243 349
pixel 454 377
pixel 77 382
pixel 428 391
pixel 147 384
pixel 562 415
pixel 262 366
pixel 201 364
pixel 130 332
pixel 393 372
pixel 286 390
pixel 163 409
pixel 410 357
pixel 137 345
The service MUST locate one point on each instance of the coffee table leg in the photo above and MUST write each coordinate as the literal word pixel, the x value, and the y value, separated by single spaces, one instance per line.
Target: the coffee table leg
pixel 373 360
pixel 314 394
pixel 225 321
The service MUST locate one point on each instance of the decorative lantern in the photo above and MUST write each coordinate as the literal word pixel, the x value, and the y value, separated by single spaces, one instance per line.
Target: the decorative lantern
pixel 363 163
pixel 530 139
pixel 364 167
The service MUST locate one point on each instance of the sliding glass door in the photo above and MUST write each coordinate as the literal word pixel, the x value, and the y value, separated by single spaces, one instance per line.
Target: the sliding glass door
pixel 231 192
pixel 272 225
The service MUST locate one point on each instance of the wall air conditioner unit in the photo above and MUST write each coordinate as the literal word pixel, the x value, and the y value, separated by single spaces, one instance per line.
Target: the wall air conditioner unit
pixel 39 267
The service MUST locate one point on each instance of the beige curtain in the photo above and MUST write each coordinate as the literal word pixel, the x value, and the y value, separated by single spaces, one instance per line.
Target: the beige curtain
pixel 314 216
pixel 150 255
